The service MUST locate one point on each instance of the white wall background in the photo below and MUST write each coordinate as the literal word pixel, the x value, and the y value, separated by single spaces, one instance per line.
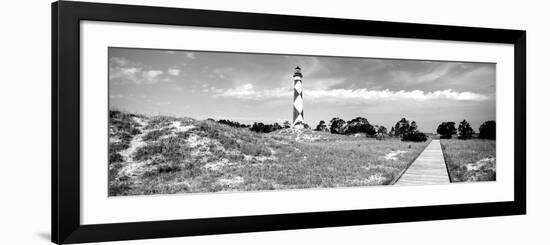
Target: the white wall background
pixel 25 121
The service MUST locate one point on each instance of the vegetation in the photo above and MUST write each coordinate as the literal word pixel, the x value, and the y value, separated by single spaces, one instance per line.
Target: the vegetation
pixel 381 132
pixel 488 130
pixel 338 126
pixel 174 155
pixel 446 130
pixel 407 131
pixel 233 124
pixel 286 124
pixel 265 128
pixel 158 155
pixel 472 160
pixel 465 132
pixel 358 125
pixel 414 136
pixel 322 126
pixel 401 127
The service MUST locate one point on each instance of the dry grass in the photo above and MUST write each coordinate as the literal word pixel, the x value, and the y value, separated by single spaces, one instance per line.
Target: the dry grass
pixel 470 160
pixel 211 157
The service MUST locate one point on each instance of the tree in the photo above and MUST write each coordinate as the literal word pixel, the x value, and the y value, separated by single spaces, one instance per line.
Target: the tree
pixel 415 136
pixel 276 126
pixel 257 127
pixel 322 126
pixel 286 124
pixel 360 125
pixel 232 123
pixel 446 130
pixel 464 130
pixel 369 130
pixel 392 132
pixel 488 130
pixel 401 127
pixel 381 132
pixel 413 126
pixel 265 128
pixel 338 126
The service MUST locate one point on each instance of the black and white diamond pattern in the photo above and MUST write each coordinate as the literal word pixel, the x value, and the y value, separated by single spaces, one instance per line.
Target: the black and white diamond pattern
pixel 298 115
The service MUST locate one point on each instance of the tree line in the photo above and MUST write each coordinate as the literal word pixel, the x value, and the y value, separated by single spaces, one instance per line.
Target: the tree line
pixel 405 129
pixel 487 130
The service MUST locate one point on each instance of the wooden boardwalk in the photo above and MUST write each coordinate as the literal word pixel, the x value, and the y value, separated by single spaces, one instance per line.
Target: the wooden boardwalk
pixel 428 169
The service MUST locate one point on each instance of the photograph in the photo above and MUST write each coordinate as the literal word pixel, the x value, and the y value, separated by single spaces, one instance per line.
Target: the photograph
pixel 192 121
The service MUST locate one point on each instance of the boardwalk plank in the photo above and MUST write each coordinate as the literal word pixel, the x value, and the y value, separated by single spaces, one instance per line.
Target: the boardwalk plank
pixel 428 169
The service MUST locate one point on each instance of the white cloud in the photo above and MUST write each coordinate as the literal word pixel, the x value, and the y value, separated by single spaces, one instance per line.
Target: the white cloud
pixel 221 73
pixel 119 61
pixel 417 95
pixel 174 72
pixel 130 70
pixel 190 55
pixel 136 75
pixel 153 73
pixel 122 70
pixel 247 92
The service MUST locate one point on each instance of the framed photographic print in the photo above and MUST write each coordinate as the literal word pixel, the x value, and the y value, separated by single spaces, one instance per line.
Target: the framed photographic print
pixel 176 122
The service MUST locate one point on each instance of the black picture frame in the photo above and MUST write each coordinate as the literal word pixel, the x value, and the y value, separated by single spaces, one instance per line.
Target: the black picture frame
pixel 65 138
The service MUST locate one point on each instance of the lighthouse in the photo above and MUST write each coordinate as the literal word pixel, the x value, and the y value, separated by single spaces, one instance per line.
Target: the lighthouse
pixel 298 111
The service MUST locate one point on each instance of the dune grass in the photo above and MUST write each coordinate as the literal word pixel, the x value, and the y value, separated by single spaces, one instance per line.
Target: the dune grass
pixel 212 157
pixel 470 160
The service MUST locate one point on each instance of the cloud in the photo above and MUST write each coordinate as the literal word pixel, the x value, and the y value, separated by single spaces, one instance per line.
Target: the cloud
pixel 129 70
pixel 190 55
pixel 247 92
pixel 153 73
pixel 119 61
pixel 437 72
pixel 124 71
pixel 221 73
pixel 417 95
pixel 174 72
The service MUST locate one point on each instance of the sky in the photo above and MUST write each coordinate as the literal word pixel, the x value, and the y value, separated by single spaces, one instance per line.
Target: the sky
pixel 251 88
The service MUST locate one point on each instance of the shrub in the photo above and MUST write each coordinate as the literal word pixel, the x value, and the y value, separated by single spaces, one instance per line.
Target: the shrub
pixel 265 128
pixel 414 136
pixel 159 122
pixel 123 122
pixel 115 157
pixel 254 149
pixel 401 127
pixel 286 124
pixel 148 151
pixel 446 130
pixel 488 130
pixel 156 134
pixel 119 188
pixel 321 126
pixel 338 126
pixel 360 125
pixel 465 131
pixel 115 148
pixel 168 168
pixel 232 123
pixel 382 130
pixel 135 131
